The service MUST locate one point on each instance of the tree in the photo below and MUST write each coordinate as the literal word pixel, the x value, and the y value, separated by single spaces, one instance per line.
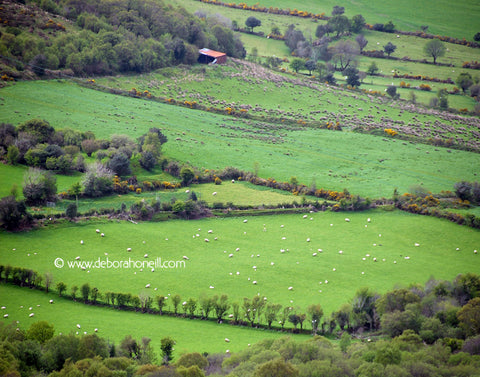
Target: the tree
pixel 85 289
pixel 310 65
pixel 13 154
pixel 345 53
pixel 39 186
pixel 252 22
pixel 476 37
pixel 389 27
pixel 147 160
pixel 206 305
pixel 13 214
pixel 175 302
pixel 352 77
pixel 75 190
pixel 166 345
pixel 73 292
pixel 357 23
pixel 221 306
pixel 315 313
pixel 48 280
pixel 98 180
pixel 364 307
pixel 362 41
pixel 71 211
pixel 345 341
pixel 187 175
pixel 271 312
pixel 338 10
pixel 339 24
pixel 389 48
pixel 190 359
pixel 120 164
pixel 40 331
pixel 392 91
pixel 41 130
pixel 90 146
pixel 276 368
pixel 297 64
pixel 464 81
pixel 372 69
pixel 61 287
pixel 443 99
pixel 434 48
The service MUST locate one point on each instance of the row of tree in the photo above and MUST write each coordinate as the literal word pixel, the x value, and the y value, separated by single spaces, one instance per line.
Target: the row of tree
pixel 440 309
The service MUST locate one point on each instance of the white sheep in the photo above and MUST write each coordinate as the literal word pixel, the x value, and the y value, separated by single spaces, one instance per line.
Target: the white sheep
pixel 97 230
pixel 5 316
pixel 214 193
pixel 374 259
pixel 227 340
pixel 96 330
pixel 407 258
pixel 51 301
pixel 305 216
pixel 368 220
pixel 230 255
pixel 207 240
pixel 254 282
pixel 81 242
pixel 245 220
pixel 185 257
pixel 474 251
pixel 233 181
pixel 31 314
pixel 145 256
pixel 210 231
pixel 78 326
pixel 340 252
pixel 148 285
pixel 417 244
pixel 290 288
pixel 347 219
pixel 237 249
pixel 187 191
pixel 153 270
pixel 211 287
pixel 3 307
pixel 334 269
pixel 103 234
pixel 129 249
pixel 77 258
pixel 308 239
pixel 314 254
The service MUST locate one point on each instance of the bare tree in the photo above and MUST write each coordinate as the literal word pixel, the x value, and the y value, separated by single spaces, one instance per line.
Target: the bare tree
pixel 48 280
pixel 345 54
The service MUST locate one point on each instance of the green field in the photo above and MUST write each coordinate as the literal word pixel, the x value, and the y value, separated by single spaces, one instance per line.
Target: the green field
pixel 366 165
pixel 443 17
pixel 113 325
pixel 390 237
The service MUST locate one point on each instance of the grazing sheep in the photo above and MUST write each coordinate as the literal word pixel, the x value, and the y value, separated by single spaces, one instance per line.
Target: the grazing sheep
pixel 3 307
pixel 238 272
pixel 290 288
pixel 51 301
pixel 153 270
pixel 394 262
pixel 97 230
pixel 326 281
pixel 96 330
pixel 214 193
pixel 185 257
pixel 308 239
pixel 320 250
pixel 340 252
pixel 227 340
pixel 5 316
pixel 31 314
pixel 347 219
pixel 81 242
pixel 254 282
pixel 210 231
pixel 305 216
pixel 211 287
pixel 230 255
pixel 148 285
pixel 374 259
pixel 207 240
pixel 245 220
pixel 237 249
pixel 78 326
pixel 145 256
pixel 417 244
pixel 314 254
pixel 272 264
pixel 474 251
pixel 364 258
pixel 368 220
pixel 215 239
pixel 77 258
pixel 334 269
pixel 281 226
pixel 187 191
pixel 233 181
pixel 129 249
pixel 103 234
pixel 407 258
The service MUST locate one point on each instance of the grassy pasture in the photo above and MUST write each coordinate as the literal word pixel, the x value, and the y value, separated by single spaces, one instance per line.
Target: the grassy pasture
pixel 366 165
pixel 190 335
pixel 459 19
pixel 389 235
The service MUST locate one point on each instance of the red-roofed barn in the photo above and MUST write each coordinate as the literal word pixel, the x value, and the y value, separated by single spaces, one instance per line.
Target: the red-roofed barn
pixel 208 56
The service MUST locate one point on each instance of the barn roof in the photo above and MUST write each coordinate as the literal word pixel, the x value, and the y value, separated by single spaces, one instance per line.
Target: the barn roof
pixel 212 53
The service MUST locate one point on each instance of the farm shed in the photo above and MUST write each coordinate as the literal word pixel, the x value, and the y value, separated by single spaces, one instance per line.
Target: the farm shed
pixel 208 56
